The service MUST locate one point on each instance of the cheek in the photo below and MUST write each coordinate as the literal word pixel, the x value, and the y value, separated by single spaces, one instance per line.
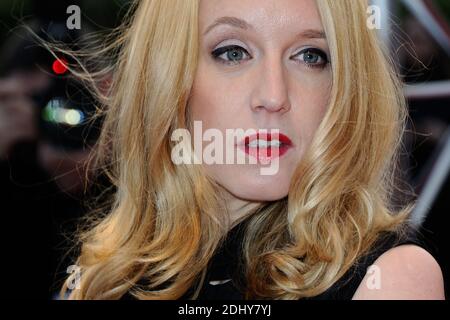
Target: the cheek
pixel 312 115
pixel 207 103
pixel 218 100
pixel 310 106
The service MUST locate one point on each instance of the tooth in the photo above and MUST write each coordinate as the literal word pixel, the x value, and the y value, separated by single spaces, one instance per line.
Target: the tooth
pixel 263 143
pixel 275 143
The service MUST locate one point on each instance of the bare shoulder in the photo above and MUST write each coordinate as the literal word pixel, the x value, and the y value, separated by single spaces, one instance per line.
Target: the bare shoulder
pixel 406 272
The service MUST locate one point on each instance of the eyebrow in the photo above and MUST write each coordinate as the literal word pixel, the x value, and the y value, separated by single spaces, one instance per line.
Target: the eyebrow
pixel 231 21
pixel 242 24
pixel 312 34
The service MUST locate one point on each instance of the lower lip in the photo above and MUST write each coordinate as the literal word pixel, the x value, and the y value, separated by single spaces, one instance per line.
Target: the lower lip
pixel 266 155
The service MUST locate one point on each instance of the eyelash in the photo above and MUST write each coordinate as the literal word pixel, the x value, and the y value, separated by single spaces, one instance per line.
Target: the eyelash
pixel 322 55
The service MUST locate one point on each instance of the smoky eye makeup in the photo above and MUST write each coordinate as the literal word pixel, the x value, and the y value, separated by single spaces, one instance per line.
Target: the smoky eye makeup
pixel 313 57
pixel 230 54
pixel 229 49
pixel 310 57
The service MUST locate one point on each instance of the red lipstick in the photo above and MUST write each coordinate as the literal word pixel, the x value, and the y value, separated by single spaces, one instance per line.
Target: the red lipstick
pixel 266 146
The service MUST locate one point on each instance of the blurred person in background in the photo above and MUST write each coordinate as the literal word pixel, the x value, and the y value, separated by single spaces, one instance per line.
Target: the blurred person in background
pixel 44 152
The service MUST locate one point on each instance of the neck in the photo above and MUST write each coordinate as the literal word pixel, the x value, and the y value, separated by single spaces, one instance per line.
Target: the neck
pixel 238 208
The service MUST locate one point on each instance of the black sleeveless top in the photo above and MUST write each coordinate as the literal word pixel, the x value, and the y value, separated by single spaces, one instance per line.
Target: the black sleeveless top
pixel 224 277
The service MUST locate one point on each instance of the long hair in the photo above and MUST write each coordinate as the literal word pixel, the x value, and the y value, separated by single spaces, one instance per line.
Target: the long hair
pixel 165 221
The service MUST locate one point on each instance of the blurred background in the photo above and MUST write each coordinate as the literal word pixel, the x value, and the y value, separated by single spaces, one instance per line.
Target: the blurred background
pixel 46 138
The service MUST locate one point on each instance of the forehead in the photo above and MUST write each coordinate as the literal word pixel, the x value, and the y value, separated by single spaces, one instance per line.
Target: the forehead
pixel 263 16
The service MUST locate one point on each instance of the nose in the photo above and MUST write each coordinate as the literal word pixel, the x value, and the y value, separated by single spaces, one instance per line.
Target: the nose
pixel 270 88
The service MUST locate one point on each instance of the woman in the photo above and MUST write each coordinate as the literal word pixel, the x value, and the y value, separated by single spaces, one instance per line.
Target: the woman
pixel 313 72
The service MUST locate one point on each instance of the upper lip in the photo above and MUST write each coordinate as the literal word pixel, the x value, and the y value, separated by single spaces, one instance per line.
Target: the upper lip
pixel 268 136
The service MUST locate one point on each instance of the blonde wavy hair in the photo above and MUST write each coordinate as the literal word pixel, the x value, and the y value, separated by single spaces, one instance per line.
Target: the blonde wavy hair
pixel 165 221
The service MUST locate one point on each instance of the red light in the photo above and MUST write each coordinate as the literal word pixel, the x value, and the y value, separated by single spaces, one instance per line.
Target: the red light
pixel 60 66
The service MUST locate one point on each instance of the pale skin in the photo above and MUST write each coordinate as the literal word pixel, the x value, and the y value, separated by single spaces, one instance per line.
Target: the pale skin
pixel 278 76
pixel 407 272
pixel 272 85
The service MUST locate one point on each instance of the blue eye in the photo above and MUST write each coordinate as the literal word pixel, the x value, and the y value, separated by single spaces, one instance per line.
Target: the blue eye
pixel 314 58
pixel 232 54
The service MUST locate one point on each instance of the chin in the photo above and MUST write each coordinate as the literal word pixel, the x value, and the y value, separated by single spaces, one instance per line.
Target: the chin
pixel 260 190
pixel 264 196
pixel 247 184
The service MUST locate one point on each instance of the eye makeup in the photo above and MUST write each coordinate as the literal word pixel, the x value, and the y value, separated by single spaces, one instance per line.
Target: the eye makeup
pixel 311 57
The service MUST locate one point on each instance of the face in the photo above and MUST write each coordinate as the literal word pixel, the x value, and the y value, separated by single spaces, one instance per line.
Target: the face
pixel 263 65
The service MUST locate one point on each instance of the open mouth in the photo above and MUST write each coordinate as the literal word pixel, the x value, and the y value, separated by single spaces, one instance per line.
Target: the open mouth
pixel 266 146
